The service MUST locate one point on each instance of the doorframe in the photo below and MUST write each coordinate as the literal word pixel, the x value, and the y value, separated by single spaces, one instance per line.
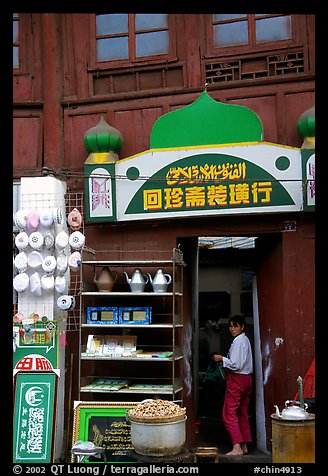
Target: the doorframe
pixel 259 394
pixel 261 439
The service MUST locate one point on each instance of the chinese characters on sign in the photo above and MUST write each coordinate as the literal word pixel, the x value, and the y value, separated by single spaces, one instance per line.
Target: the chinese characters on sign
pixel 32 427
pixel 204 181
pixel 311 181
pixel 100 192
pixel 200 196
pixel 33 417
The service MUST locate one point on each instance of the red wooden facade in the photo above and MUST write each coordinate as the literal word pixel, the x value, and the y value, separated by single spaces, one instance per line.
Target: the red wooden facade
pixel 60 91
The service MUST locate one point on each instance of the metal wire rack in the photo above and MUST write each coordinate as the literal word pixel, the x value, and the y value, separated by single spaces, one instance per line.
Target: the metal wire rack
pixel 37 202
pixel 75 200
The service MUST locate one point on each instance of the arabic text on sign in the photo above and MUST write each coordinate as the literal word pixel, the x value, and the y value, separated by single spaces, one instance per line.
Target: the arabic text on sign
pixel 199 173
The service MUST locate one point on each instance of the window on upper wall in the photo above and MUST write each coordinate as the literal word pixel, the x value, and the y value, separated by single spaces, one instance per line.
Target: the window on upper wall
pixel 15 40
pixel 131 37
pixel 250 30
pixel 242 47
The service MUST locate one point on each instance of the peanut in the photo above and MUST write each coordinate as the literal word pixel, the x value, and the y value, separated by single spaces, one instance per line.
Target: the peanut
pixel 157 408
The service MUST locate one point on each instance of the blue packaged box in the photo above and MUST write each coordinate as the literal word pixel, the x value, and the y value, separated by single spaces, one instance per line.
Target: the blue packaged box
pixel 102 315
pixel 135 315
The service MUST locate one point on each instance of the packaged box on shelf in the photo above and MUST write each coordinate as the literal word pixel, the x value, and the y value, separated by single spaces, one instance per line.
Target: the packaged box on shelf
pixel 95 344
pixel 111 346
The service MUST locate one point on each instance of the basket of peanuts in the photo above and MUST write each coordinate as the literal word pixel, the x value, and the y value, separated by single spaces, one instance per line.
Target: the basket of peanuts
pixel 158 427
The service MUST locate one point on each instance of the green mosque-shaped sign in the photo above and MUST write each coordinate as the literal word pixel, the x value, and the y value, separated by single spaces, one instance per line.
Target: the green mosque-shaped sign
pixel 205 122
pixel 207 158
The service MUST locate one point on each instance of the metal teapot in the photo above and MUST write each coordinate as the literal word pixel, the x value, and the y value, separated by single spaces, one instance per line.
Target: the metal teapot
pixel 295 412
pixel 137 282
pixel 160 281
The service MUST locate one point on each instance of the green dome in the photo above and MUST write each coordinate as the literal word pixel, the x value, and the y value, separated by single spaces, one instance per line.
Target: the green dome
pixel 102 138
pixel 306 123
pixel 205 122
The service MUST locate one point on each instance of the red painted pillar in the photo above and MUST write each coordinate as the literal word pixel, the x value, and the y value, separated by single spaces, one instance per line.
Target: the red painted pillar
pixel 52 90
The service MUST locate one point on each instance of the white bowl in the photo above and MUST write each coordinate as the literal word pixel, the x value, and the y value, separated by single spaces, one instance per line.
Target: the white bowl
pixel 35 284
pixel 62 263
pixel 34 259
pixel 61 240
pixel 48 282
pixel 36 240
pixel 49 264
pixel 60 284
pixel 46 217
pixel 20 262
pixel 77 240
pixel 21 282
pixel 21 240
pixel 74 261
pixel 20 219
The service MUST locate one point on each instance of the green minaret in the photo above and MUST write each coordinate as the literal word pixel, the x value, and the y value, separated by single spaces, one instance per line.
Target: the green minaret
pixel 103 142
pixel 306 128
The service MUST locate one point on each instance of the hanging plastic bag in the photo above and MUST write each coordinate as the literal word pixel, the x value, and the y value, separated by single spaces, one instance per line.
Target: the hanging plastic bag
pixel 214 372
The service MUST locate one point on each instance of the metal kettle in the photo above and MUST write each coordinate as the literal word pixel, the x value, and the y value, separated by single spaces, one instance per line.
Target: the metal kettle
pixel 160 281
pixel 295 412
pixel 137 282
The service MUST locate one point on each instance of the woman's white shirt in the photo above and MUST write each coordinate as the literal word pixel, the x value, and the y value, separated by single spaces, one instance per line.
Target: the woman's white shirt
pixel 239 358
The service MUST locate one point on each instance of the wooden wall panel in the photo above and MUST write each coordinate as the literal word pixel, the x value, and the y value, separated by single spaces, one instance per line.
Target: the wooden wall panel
pixel 266 108
pixel 135 125
pixel 22 88
pixel 75 127
pixel 27 81
pixel 296 103
pixel 272 323
pixel 27 142
pixel 75 54
pixel 299 285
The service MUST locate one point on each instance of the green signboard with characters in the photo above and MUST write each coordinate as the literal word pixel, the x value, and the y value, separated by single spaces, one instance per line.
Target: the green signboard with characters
pixel 34 411
pixel 35 338
pixel 206 159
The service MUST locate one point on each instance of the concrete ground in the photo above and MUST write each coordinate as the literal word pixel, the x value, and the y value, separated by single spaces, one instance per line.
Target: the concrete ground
pixel 213 434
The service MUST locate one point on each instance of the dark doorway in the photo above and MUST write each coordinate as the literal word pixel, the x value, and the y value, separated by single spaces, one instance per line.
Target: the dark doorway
pixel 225 289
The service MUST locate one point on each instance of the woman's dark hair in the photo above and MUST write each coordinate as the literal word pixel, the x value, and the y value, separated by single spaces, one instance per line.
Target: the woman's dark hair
pixel 237 319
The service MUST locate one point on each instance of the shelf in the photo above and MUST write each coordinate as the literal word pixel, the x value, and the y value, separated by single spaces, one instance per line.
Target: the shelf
pixel 129 294
pixel 128 263
pixel 129 385
pixel 131 359
pixel 135 326
pixel 167 317
pixel 134 391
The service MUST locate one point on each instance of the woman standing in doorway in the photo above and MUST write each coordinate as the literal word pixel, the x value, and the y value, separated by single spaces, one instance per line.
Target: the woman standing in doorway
pixel 239 366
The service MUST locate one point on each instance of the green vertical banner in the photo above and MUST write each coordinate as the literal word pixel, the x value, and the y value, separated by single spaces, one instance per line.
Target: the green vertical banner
pixel 34 412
